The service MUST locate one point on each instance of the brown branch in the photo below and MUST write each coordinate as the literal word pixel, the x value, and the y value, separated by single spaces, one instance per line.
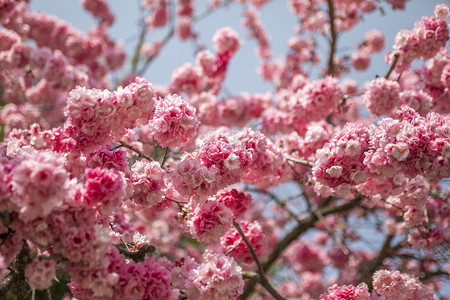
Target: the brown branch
pixel 9 279
pixel 254 277
pixel 300 161
pixel 302 226
pixel 139 152
pixel 262 279
pixel 166 151
pixel 17 274
pixel 136 256
pixel 367 269
pixel 331 68
pixel 394 63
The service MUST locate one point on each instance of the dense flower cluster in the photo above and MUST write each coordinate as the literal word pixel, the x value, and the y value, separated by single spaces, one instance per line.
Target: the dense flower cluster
pixel 148 183
pixel 395 285
pixel 413 145
pixel 341 161
pixel 422 42
pixel 209 221
pixel 235 200
pixel 316 100
pixel 218 277
pixel 350 292
pixel 382 96
pixel 112 188
pixel 95 118
pixel 174 121
pixel 37 184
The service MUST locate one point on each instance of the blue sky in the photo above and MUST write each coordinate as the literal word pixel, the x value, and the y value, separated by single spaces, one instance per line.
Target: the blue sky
pixel 242 76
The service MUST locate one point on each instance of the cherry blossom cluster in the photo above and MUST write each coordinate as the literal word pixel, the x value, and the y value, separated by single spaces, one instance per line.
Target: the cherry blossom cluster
pixel 341 161
pixel 223 158
pixel 412 145
pixel 394 285
pixel 381 96
pixel 423 41
pixel 174 121
pixel 218 277
pixel 95 117
pixel 114 188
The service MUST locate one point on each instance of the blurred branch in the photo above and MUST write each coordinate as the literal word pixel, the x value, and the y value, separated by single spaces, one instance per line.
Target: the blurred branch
pixel 137 50
pixel 394 63
pixel 331 68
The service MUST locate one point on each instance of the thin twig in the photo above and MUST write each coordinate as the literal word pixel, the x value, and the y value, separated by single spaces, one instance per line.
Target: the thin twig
pixel 177 201
pixel 234 247
pixel 300 161
pixel 394 63
pixel 166 150
pixel 139 152
pixel 331 68
pixel 263 280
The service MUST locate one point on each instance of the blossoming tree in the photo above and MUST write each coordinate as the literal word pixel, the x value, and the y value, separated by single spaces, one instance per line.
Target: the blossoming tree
pixel 128 190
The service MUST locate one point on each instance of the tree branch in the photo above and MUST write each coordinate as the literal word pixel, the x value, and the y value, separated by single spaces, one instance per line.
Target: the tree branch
pixel 302 226
pixel 139 152
pixel 262 279
pixel 300 161
pixel 331 68
pixel 394 63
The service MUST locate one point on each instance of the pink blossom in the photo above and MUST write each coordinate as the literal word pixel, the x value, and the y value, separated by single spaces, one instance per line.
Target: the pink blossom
pixel 395 285
pixel 174 121
pixel 381 96
pixel 235 200
pixel 209 221
pixel 218 277
pixel 375 40
pixel 226 40
pixel 360 59
pixel 183 29
pixel 148 183
pixel 104 189
pixel 38 184
pixel 347 292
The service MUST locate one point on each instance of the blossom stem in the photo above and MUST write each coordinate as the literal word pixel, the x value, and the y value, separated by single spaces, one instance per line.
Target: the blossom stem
pixel 139 152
